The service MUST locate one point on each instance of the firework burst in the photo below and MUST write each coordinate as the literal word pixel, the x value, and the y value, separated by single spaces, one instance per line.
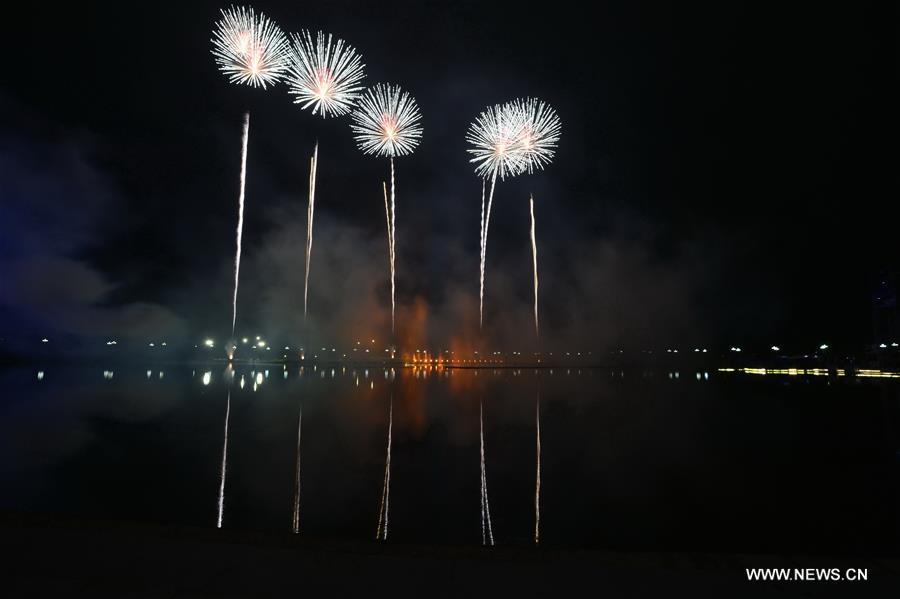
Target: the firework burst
pixel 495 137
pixel 386 122
pixel 249 48
pixel 324 75
pixel 539 134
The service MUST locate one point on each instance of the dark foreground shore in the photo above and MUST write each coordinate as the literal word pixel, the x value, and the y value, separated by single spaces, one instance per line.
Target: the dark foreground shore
pixel 51 557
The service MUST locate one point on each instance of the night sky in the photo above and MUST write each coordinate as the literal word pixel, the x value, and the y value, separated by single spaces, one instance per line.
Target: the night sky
pixel 725 176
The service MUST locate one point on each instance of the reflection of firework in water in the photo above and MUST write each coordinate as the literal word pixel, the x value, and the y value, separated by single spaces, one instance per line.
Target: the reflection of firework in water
pixel 386 123
pixel 487 534
pixel 249 48
pixel 326 75
pixel 382 531
pixel 296 519
pixel 224 462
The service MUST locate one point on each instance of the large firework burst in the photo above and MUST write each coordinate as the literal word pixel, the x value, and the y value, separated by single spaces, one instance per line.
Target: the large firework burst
pixel 386 121
pixel 249 48
pixel 539 134
pixel 325 75
pixel 495 137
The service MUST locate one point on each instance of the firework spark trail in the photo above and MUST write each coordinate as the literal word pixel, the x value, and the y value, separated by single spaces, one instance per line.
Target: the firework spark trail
pixel 240 226
pixel 393 237
pixel 484 236
pixel 310 212
pixel 495 148
pixel 386 123
pixel 224 462
pixel 296 519
pixel 537 480
pixel 485 505
pixel 534 261
pixel 382 532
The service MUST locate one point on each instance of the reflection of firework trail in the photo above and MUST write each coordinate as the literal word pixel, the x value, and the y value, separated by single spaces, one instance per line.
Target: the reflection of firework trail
pixel 485 505
pixel 296 522
pixel 534 260
pixel 310 212
pixel 240 226
pixel 224 461
pixel 382 531
pixel 388 211
pixel 537 480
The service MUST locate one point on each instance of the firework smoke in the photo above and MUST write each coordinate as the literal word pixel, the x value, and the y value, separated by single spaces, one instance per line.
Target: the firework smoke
pixel 296 519
pixel 224 462
pixel 382 531
pixel 310 213
pixel 386 123
pixel 487 534
pixel 249 48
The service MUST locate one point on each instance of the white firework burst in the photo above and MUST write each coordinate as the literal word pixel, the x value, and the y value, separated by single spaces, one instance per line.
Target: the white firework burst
pixel 540 132
pixel 325 75
pixel 495 137
pixel 386 121
pixel 249 48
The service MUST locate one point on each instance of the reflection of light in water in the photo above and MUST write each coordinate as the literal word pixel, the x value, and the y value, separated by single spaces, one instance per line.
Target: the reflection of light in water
pixel 206 376
pixel 148 374
pixel 161 374
pixel 285 374
pixel 242 381
pixel 861 373
pixel 485 506
pixel 108 374
pixel 40 375
pixel 224 462
pixel 382 531
pixel 267 374
pixel 296 521
pixel 357 381
pixel 259 378
pixel 372 385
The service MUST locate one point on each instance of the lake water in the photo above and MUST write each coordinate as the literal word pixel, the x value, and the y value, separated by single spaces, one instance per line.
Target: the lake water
pixel 630 460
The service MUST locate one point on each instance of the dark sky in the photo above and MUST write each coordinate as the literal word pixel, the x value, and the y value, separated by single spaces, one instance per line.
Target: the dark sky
pixel 725 175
